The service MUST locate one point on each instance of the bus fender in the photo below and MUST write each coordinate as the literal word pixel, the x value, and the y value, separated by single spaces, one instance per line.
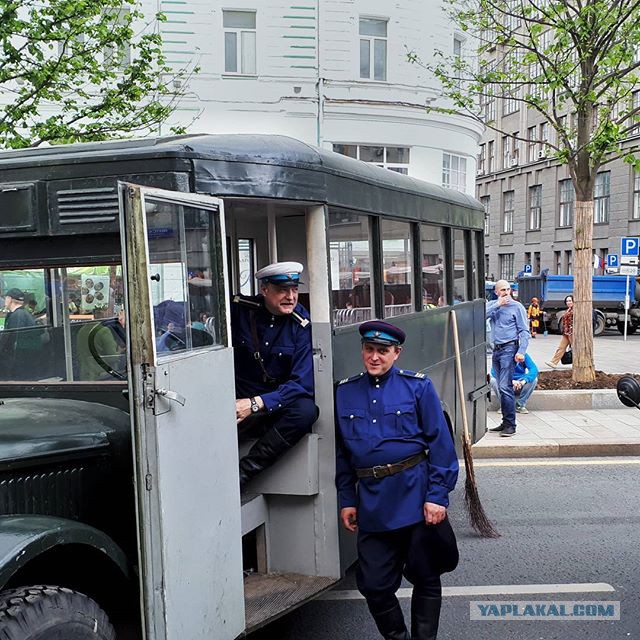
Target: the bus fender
pixel 24 538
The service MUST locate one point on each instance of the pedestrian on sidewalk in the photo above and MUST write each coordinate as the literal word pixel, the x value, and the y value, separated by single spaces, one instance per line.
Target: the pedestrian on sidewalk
pixel 525 380
pixel 389 490
pixel 566 326
pixel 534 312
pixel 510 330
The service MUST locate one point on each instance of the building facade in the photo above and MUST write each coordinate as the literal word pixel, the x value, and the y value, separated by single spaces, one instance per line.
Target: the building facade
pixel 328 72
pixel 529 199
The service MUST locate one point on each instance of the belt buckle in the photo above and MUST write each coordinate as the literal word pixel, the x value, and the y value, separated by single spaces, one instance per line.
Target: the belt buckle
pixel 382 469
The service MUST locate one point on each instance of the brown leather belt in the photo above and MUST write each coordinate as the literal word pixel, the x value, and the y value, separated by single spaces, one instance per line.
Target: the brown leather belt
pixel 384 470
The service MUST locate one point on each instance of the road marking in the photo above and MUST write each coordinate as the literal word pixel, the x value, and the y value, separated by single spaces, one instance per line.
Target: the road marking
pixel 489 590
pixel 551 463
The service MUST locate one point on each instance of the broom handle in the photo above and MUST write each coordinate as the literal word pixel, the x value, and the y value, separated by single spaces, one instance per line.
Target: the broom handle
pixel 456 347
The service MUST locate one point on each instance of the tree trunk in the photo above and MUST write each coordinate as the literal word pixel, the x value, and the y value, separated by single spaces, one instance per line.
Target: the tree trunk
pixel 582 342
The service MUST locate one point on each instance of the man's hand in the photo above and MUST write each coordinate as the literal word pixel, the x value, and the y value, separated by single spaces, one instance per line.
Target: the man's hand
pixel 517 384
pixel 349 517
pixel 243 409
pixel 434 513
pixel 519 357
pixel 502 300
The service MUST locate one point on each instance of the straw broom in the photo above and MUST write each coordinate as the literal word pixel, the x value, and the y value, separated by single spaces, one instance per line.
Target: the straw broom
pixel 477 517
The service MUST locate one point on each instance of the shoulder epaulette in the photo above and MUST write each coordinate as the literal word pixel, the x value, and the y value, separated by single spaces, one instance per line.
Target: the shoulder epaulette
pixel 352 378
pixel 412 374
pixel 249 303
pixel 303 322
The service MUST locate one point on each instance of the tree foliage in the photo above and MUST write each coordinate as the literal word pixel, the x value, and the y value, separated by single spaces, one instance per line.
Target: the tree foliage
pixel 574 62
pixel 80 70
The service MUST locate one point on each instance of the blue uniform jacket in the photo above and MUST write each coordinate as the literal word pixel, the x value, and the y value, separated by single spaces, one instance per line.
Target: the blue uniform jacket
pixel 285 346
pixel 385 420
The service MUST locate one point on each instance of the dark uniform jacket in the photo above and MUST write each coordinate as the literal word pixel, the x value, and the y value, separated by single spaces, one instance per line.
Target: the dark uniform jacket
pixel 285 348
pixel 384 420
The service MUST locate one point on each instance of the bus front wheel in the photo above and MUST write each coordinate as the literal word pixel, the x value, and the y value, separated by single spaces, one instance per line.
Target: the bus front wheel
pixel 46 613
pixel 631 328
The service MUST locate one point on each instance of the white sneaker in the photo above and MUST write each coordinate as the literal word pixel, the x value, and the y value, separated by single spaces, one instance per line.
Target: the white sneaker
pixel 522 410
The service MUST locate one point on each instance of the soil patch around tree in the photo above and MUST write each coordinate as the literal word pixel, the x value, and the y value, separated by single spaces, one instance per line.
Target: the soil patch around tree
pixel 561 380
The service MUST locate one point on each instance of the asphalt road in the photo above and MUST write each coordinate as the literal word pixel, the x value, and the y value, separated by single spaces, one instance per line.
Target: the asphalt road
pixel 562 523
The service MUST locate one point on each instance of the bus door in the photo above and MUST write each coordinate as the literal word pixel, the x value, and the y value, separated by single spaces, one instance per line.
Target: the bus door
pixel 182 401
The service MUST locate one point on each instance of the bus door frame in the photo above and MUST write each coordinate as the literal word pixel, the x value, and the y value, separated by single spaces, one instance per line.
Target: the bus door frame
pixel 185 445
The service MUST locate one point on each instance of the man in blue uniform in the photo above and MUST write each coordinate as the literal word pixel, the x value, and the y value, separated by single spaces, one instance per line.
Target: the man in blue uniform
pixel 395 467
pixel 273 367
pixel 510 331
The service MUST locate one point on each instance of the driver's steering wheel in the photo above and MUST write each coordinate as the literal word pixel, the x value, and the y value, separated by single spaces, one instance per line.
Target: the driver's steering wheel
pixel 91 340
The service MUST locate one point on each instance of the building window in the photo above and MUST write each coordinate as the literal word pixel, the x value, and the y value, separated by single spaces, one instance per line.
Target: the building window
pixel 506 152
pixel 506 266
pixel 486 203
pixel 507 211
pixel 482 159
pixel 544 138
pixel 535 207
pixel 373 49
pixel 568 256
pixel 536 262
pixel 567 199
pixel 491 156
pixel 557 261
pixel 601 197
pixel 532 155
pixel 635 213
pixel 239 42
pixel 392 158
pixel 486 266
pixel 118 56
pixel 454 172
pixel 458 53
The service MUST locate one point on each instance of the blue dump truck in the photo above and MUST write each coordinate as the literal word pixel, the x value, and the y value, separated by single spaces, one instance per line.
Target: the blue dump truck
pixel 608 299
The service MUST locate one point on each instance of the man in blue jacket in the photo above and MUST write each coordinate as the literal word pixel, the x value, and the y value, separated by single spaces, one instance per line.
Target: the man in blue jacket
pixel 273 361
pixel 510 332
pixel 396 464
pixel 525 380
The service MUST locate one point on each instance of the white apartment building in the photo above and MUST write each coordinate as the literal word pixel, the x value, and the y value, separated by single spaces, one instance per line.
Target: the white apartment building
pixel 333 73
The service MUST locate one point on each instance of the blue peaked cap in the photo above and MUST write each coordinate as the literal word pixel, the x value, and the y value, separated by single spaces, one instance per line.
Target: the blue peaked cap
pixel 383 333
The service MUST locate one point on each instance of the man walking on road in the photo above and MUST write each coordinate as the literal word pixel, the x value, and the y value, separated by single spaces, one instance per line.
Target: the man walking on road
pixel 396 464
pixel 510 330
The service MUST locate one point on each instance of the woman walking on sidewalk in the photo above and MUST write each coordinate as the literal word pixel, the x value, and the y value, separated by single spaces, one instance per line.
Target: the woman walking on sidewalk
pixel 566 325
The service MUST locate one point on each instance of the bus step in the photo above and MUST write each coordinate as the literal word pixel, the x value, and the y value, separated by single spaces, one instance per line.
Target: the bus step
pixel 268 596
pixel 253 513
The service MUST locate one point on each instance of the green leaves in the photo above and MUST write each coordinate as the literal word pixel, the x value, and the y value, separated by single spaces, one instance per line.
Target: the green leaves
pixel 78 70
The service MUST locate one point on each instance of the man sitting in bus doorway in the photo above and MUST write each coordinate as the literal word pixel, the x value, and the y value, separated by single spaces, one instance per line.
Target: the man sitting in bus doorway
pixel 510 331
pixel 395 466
pixel 273 367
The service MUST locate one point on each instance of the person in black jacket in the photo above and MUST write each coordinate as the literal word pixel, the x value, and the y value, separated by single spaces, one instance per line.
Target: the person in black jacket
pixel 20 339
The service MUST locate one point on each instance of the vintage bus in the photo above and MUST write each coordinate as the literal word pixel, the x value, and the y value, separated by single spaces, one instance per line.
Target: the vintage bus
pixel 118 444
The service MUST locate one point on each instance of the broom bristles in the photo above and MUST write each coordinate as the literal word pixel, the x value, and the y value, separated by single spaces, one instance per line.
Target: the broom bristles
pixel 477 517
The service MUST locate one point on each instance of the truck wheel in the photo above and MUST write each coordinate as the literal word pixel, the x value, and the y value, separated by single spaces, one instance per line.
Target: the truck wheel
pixel 601 323
pixel 631 328
pixel 49 613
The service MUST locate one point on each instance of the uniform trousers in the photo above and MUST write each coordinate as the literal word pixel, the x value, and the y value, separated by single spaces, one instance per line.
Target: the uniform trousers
pixel 420 552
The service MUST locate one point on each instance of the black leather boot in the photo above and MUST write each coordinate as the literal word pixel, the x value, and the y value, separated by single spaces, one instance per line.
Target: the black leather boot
pixel 262 455
pixel 391 624
pixel 425 615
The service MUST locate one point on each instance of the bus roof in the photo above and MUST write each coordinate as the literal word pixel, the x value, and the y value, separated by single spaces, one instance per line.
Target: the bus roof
pixel 268 166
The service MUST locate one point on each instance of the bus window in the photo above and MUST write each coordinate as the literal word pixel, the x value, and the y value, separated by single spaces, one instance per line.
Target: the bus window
pixel 459 267
pixel 432 259
pixel 476 265
pixel 246 266
pixel 397 262
pixel 184 290
pixel 350 252
pixel 66 328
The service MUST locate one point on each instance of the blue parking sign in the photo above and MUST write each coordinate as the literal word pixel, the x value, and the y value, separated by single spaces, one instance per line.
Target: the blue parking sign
pixel 629 247
pixel 527 268
pixel 613 260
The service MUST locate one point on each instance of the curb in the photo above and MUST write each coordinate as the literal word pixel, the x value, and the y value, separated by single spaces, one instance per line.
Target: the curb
pixel 574 400
pixel 566 448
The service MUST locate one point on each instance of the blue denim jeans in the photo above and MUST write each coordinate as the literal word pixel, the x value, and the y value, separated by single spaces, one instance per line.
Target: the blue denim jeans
pixel 503 364
pixel 521 396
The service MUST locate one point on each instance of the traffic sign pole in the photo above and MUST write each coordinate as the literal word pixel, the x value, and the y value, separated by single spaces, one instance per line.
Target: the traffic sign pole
pixel 626 308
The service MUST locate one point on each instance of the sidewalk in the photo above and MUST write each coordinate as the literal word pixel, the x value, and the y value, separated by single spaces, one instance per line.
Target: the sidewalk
pixel 609 430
